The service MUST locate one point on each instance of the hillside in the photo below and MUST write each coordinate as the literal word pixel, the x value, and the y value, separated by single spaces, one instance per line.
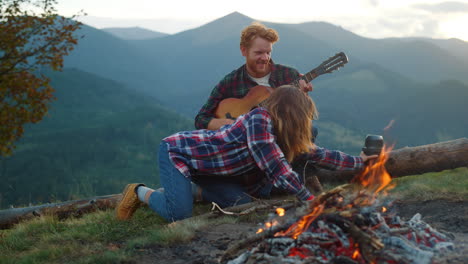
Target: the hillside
pixel 134 33
pixel 99 136
pixel 369 99
pixel 421 59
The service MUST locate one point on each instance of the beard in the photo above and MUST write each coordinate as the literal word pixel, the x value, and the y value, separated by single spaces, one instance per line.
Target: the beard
pixel 258 68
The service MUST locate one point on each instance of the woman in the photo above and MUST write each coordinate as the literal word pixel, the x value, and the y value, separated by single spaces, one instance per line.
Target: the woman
pixel 266 139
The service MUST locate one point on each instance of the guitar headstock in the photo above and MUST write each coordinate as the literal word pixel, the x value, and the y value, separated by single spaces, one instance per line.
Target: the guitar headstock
pixel 332 63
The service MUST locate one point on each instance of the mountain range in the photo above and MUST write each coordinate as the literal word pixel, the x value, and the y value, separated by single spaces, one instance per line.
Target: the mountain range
pixel 134 33
pixel 123 90
pixel 181 69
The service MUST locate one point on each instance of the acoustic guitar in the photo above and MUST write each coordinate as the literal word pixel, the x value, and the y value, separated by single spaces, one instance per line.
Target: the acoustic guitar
pixel 234 107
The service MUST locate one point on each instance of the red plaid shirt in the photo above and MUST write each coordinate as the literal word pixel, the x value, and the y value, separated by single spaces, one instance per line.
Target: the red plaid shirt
pixel 244 146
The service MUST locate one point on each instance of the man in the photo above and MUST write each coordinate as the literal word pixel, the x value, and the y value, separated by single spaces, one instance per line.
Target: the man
pixel 256 45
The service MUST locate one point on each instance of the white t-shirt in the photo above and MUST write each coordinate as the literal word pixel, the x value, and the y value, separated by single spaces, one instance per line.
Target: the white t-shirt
pixel 263 80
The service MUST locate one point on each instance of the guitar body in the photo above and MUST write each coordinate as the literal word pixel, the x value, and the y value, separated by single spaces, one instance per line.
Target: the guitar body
pixel 234 107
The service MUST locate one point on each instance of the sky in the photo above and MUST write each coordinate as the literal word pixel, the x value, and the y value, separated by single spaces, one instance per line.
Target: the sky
pixel 368 18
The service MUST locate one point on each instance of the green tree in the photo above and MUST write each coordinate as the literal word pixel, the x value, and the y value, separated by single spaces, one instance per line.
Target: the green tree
pixel 32 37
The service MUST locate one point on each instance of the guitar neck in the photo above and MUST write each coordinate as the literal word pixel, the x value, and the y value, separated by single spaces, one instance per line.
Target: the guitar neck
pixel 308 77
pixel 328 66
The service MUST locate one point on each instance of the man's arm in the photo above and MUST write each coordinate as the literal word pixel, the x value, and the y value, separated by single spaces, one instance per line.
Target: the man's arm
pixel 228 87
pixel 205 118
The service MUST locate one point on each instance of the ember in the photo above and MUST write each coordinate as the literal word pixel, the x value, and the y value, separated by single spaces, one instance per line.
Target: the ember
pixel 280 211
pixel 352 223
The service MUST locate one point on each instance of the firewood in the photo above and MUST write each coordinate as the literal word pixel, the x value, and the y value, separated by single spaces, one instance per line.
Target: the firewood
pixel 368 244
pixel 249 241
pixel 233 250
pixel 414 160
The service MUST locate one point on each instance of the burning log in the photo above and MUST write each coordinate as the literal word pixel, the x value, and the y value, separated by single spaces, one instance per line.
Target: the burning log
pixel 414 160
pixel 349 224
pixel 367 235
pixel 63 210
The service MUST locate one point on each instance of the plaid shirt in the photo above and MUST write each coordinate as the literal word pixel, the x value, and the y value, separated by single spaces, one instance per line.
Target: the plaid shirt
pixel 236 85
pixel 244 146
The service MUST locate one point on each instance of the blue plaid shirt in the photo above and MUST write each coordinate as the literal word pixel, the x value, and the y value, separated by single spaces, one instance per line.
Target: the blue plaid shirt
pixel 244 146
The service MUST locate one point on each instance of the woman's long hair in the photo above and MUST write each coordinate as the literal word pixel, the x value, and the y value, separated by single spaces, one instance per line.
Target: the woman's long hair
pixel 292 112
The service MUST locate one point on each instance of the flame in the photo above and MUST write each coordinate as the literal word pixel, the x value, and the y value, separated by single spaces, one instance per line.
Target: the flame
pixel 384 209
pixel 356 254
pixel 280 211
pixel 390 125
pixel 267 225
pixel 375 177
pixel 297 228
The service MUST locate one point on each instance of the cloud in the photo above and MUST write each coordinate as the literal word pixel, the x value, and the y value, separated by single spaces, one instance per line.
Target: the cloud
pixel 373 3
pixel 394 23
pixel 444 7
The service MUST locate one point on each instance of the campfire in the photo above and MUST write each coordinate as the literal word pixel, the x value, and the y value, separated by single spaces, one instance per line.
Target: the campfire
pixel 352 223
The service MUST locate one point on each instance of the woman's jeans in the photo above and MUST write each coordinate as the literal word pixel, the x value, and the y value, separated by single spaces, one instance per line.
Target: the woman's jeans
pixel 176 201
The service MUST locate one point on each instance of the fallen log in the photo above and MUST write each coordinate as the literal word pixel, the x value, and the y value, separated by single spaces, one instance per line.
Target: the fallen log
pixel 413 160
pixel 75 208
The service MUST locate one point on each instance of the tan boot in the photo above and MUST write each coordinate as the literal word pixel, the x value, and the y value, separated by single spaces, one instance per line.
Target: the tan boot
pixel 129 203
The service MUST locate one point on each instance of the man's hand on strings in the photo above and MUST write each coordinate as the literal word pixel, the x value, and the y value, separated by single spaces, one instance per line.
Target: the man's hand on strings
pixel 305 87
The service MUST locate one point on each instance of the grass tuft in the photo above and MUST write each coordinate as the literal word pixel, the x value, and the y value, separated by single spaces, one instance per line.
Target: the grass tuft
pixel 448 184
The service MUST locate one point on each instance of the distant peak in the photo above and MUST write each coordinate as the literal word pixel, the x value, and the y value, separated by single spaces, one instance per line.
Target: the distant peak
pixel 235 16
pixel 235 13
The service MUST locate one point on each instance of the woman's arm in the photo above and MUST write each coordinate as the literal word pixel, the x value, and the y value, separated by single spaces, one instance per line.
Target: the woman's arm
pixel 335 160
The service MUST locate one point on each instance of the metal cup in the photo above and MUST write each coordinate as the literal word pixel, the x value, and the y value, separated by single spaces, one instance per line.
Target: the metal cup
pixel 373 145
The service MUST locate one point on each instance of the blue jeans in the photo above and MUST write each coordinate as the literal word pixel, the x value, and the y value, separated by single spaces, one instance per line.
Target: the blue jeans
pixel 176 202
pixel 224 191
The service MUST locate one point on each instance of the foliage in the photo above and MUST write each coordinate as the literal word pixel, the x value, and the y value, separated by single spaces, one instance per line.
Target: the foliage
pixel 98 136
pixel 33 37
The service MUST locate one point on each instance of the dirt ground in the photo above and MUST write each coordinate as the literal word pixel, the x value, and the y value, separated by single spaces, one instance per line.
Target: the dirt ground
pixel 209 245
